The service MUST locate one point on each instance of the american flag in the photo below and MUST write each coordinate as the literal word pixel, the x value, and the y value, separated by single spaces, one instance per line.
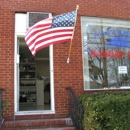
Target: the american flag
pixel 52 30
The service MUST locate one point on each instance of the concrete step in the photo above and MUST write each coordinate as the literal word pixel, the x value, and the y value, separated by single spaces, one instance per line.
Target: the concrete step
pixel 39 124
pixel 60 128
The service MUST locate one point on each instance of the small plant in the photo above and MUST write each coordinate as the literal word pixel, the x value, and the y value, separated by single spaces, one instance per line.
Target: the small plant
pixel 4 105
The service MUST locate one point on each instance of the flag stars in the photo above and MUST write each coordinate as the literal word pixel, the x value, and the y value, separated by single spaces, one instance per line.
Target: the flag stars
pixel 64 20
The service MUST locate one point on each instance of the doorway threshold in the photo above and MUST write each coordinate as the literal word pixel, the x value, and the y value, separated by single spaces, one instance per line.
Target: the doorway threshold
pixel 35 112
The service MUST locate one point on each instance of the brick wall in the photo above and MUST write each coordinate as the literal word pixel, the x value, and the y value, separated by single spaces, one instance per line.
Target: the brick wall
pixel 64 74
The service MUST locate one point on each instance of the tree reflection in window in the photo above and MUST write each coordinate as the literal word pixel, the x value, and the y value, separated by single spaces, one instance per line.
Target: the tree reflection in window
pixel 108 48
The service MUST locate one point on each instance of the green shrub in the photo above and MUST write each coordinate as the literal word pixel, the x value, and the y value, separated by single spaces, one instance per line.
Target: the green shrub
pixel 106 111
pixel 4 105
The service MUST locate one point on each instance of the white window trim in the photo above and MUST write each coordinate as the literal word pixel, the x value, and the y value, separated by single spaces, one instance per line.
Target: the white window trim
pixel 84 23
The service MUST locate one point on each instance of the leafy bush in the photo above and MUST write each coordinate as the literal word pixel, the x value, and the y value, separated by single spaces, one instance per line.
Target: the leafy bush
pixel 106 111
pixel 4 105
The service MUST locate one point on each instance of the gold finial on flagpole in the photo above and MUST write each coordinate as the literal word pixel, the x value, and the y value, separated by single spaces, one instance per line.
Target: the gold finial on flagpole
pixel 77 7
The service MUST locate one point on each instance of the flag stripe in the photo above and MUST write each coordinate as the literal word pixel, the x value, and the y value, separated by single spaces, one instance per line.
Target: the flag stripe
pixel 47 40
pixel 50 31
pixel 42 23
pixel 36 31
pixel 45 33
pixel 48 35
pixel 47 43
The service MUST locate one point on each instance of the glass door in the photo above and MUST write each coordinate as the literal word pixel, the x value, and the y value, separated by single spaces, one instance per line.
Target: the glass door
pixel 34 90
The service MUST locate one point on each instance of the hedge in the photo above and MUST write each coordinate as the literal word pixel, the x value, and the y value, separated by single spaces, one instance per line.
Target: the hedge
pixel 106 111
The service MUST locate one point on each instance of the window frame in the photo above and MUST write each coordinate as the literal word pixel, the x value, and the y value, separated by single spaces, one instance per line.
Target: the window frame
pixel 86 21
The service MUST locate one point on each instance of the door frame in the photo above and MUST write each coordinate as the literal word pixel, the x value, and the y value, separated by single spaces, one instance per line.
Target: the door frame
pixel 16 80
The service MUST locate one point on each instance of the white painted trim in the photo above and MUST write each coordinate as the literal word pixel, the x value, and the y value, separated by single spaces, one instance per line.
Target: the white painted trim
pixel 85 21
pixel 15 71
pixel 15 86
pixel 16 111
pixel 39 112
pixel 52 78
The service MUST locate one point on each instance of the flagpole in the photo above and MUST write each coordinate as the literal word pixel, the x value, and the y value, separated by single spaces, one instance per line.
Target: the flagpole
pixel 68 60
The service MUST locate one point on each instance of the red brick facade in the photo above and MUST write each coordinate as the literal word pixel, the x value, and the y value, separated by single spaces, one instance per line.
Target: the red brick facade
pixel 64 74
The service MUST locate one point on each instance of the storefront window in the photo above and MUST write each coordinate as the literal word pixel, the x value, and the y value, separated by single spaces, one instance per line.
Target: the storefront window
pixel 106 53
